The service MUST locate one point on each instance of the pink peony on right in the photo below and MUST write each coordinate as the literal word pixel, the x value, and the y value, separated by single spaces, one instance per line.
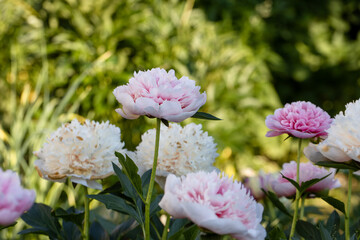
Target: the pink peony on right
pixel 158 93
pixel 214 202
pixel 14 200
pixel 282 187
pixel 298 119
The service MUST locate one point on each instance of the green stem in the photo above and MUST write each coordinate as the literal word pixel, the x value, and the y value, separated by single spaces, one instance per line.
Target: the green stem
pixel 297 198
pixel 167 224
pixel 302 207
pixel 348 208
pixel 87 215
pixel 152 181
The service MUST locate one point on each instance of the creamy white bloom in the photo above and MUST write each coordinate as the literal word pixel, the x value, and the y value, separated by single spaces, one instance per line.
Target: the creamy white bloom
pixel 181 151
pixel 343 141
pixel 83 152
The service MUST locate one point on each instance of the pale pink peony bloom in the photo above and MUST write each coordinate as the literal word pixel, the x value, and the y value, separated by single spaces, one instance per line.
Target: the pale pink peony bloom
pixel 14 200
pixel 308 171
pixel 343 141
pixel 256 183
pixel 157 93
pixel 298 119
pixel 214 202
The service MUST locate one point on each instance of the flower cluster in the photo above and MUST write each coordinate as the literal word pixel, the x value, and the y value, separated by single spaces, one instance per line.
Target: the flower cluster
pixel 343 141
pixel 14 200
pixel 214 202
pixel 83 152
pixel 298 119
pixel 158 93
pixel 308 171
pixel 182 150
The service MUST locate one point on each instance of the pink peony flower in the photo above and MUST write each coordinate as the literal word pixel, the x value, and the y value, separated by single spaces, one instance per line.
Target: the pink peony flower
pixel 14 200
pixel 256 183
pixel 308 171
pixel 343 141
pixel 214 202
pixel 157 93
pixel 298 119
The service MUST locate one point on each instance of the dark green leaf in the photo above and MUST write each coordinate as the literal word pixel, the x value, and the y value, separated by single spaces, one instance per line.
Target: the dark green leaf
pixel 154 206
pixel 206 116
pixel 176 226
pixel 116 189
pixel 335 203
pixel 333 223
pixel 11 225
pixel 355 229
pixel 325 235
pixel 308 184
pixel 156 227
pixel 307 230
pixel 294 183
pixel 35 230
pixel 337 165
pixel 145 180
pixel 97 232
pixel 70 215
pixel 275 200
pixel 192 232
pixel 39 217
pixel 71 231
pixel 126 184
pixel 276 234
pixel 130 169
pixel 165 122
pixel 121 229
pixel 118 204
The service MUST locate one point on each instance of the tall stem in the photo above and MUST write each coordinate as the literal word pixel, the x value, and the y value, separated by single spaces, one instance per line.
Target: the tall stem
pixel 302 207
pixel 297 198
pixel 152 181
pixel 87 215
pixel 348 208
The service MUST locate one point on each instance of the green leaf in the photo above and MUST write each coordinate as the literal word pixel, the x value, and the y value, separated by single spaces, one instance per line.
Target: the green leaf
pixel 165 122
pixel 11 225
pixel 70 215
pixel 294 183
pixel 335 203
pixel 154 205
pixel 126 184
pixel 192 232
pixel 307 230
pixel 121 229
pixel 337 165
pixel 276 234
pixel 305 185
pixel 325 235
pixel 206 116
pixel 40 219
pixel 275 200
pixel 130 169
pixel 118 204
pixel 145 180
pixel 333 223
pixel 176 227
pixel 97 232
pixel 71 231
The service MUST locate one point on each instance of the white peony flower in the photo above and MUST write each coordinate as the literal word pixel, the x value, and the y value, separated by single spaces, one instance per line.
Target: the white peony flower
pixel 343 141
pixel 181 151
pixel 83 152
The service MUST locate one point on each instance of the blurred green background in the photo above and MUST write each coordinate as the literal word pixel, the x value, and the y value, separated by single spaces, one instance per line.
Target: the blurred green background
pixel 61 59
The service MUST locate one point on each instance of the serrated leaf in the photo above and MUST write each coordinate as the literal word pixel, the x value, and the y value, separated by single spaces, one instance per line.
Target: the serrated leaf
pixel 294 183
pixel 335 203
pixel 275 200
pixel 307 230
pixel 206 116
pixel 307 184
pixel 130 169
pixel 39 217
pixel 337 165
pixel 118 204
